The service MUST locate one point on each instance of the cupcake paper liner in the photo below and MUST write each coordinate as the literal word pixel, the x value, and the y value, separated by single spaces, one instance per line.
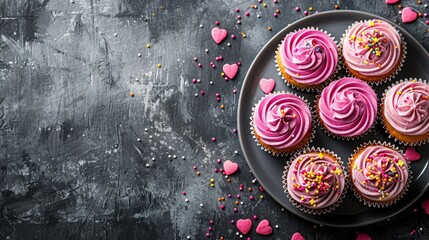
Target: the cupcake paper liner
pixel 381 113
pixel 379 204
pixel 322 85
pixel 298 204
pixel 335 136
pixel 397 70
pixel 282 154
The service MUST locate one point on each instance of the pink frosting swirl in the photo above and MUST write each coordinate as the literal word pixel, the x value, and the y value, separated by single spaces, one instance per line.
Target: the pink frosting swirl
pixel 406 107
pixel 315 180
pixel 310 56
pixel 282 120
pixel 348 107
pixel 372 47
pixel 379 173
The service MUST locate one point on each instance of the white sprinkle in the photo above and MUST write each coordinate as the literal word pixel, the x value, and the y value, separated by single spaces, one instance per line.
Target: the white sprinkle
pixel 228 44
pixel 254 180
pixel 174 156
pixel 283 209
pixel 237 233
pixel 115 34
pixel 207 50
pixel 241 203
pixel 241 236
pixel 188 237
pixel 139 54
pixel 198 80
pixel 236 152
pixel 147 165
pixel 183 157
pixel 258 16
pixel 145 129
pixel 421 229
pixel 153 159
pixel 277 226
pixel 139 140
pixel 201 25
pixel 201 205
pixel 400 12
pixel 150 137
pixel 169 156
pixel 426 6
pixel 211 83
pixel 196 94
pixel 186 200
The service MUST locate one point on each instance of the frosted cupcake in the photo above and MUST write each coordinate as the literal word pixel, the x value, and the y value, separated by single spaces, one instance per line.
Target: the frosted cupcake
pixel 315 181
pixel 405 111
pixel 372 50
pixel 282 123
pixel 347 108
pixel 307 58
pixel 379 174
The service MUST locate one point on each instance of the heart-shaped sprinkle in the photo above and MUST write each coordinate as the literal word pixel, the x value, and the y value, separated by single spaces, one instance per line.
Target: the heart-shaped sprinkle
pixel 219 34
pixel 408 15
pixel 230 167
pixel 425 206
pixel 264 228
pixel 392 1
pixel 297 236
pixel 411 154
pixel 244 225
pixel 267 85
pixel 230 70
pixel 363 236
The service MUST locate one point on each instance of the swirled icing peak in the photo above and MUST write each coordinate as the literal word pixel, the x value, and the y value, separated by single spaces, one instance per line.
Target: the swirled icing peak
pixel 406 107
pixel 282 120
pixel 316 180
pixel 379 173
pixel 372 48
pixel 348 107
pixel 310 56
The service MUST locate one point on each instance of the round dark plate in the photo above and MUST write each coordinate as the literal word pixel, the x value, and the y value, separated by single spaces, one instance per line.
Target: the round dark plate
pixel 268 169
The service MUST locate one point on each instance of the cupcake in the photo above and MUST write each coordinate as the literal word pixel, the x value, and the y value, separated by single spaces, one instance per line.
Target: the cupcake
pixel 372 50
pixel 347 108
pixel 282 123
pixel 405 111
pixel 315 181
pixel 378 174
pixel 307 58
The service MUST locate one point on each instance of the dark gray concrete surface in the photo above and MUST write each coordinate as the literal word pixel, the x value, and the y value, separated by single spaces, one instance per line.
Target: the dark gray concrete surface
pixel 71 165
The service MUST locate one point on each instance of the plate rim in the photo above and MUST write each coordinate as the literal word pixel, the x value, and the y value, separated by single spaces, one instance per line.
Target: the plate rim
pixel 241 103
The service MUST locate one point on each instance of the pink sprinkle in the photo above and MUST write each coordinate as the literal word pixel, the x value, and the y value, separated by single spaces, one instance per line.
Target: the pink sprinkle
pixel 234 130
pixel 211 222
pixel 221 170
pixel 415 210
pixel 217 23
pixel 213 139
pixel 213 66
pixel 275 15
pixel 241 185
pixel 234 91
pixel 239 17
pixel 305 13
pixel 252 198
pixel 427 22
pixel 218 99
pixel 183 193
pixel 247 14
pixel 215 170
pixel 238 22
pixel 425 15
pixel 220 57
pixel 211 63
pixel 255 217
pixel 249 238
pixel 222 207
pixel 238 196
pixel 297 9
pixel 202 92
pixel 195 167
pixel 217 94
pixel 261 189
pixel 207 234
pixel 232 221
pixel 239 63
pixel 237 10
pixel 194 80
pixel 275 1
pixel 223 173
pixel 200 65
pixel 233 36
pixel 210 229
pixel 219 161
pixel 229 195
pixel 241 189
pixel 235 210
pixel 217 59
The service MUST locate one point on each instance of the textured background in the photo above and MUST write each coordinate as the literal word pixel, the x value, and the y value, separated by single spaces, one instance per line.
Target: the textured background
pixel 71 163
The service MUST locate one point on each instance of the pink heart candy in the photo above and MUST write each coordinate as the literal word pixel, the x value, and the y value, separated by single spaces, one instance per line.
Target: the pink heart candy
pixel 411 154
pixel 267 85
pixel 297 236
pixel 392 1
pixel 230 70
pixel 425 206
pixel 230 167
pixel 264 228
pixel 244 225
pixel 363 236
pixel 219 34
pixel 408 15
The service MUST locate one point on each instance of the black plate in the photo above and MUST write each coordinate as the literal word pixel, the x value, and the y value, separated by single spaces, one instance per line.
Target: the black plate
pixel 268 169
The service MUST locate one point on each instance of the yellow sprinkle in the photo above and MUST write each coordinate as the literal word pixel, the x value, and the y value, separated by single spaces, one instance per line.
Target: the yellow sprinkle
pixel 320 155
pixel 148 45
pixel 159 65
pixel 365 62
pixel 310 9
pixel 353 37
pixel 265 5
pixel 338 171
pixel 211 185
pixel 415 80
pixel 222 74
pixel 212 180
pixel 400 163
pixel 262 196
pixel 399 92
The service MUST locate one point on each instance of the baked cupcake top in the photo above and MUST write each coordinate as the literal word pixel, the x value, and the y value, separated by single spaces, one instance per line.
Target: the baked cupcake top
pixel 379 173
pixel 406 107
pixel 310 56
pixel 315 180
pixel 282 120
pixel 372 47
pixel 348 107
